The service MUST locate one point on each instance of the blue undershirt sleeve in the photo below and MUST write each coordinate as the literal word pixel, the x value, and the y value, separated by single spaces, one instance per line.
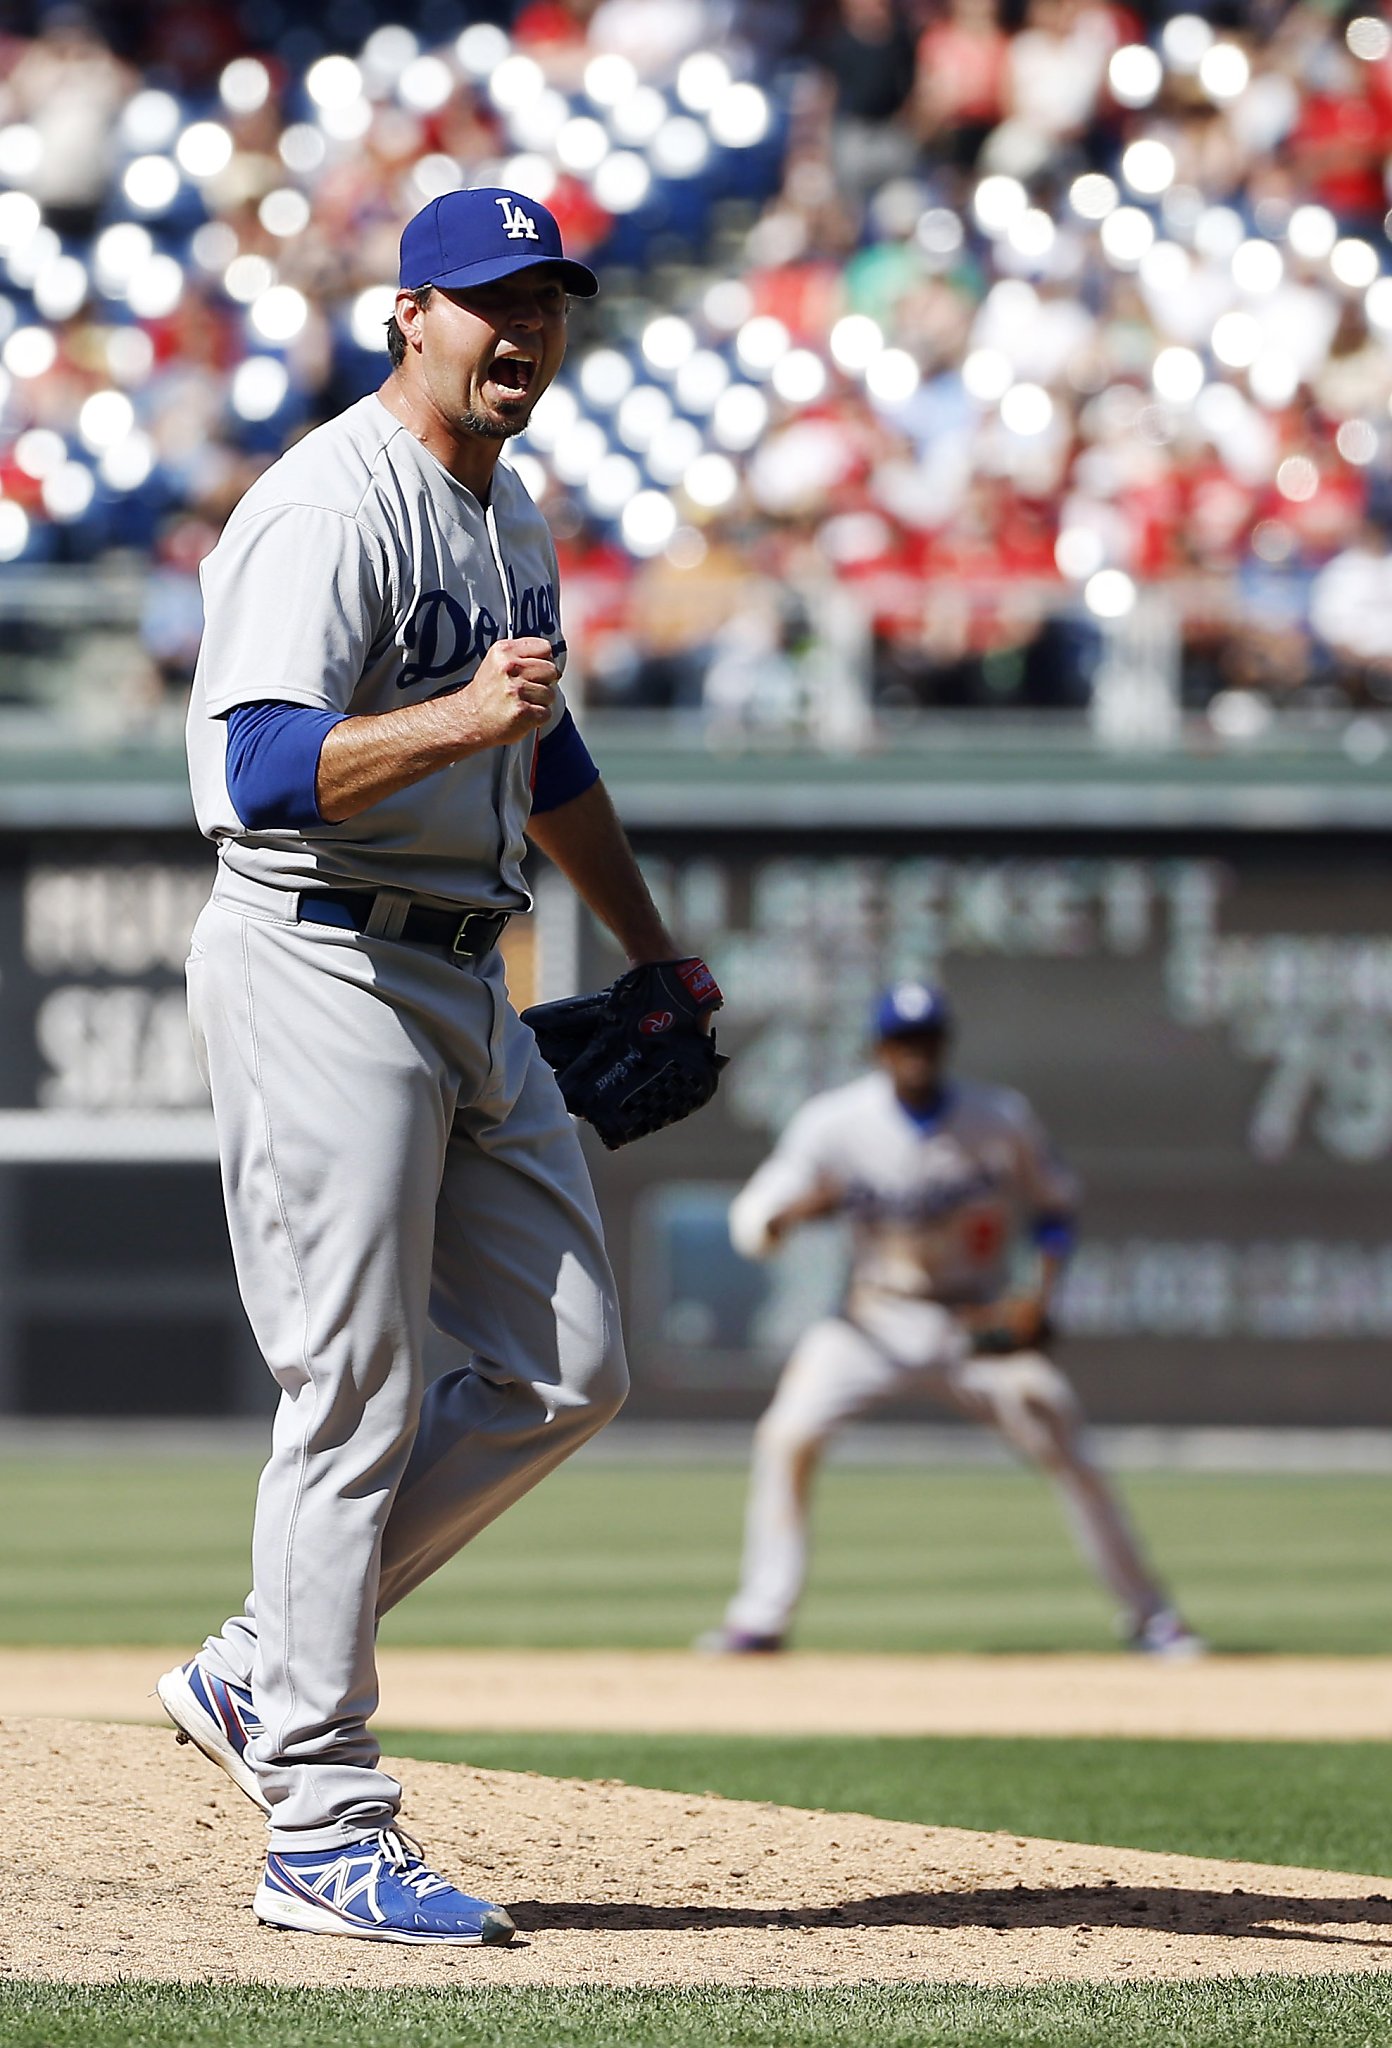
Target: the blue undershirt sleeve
pixel 272 761
pixel 1056 1235
pixel 564 768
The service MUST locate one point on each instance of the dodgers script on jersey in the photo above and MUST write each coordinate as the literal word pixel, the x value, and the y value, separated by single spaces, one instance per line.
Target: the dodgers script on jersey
pixel 357 576
pixel 935 1211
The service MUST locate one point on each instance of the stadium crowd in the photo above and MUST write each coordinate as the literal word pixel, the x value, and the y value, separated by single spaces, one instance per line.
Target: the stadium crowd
pixel 934 336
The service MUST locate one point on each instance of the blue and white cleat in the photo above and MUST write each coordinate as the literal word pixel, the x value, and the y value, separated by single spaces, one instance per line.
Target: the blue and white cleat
pixel 379 1889
pixel 218 1718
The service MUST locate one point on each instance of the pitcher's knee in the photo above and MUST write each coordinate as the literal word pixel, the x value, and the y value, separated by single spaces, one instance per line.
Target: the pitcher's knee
pixel 597 1382
pixel 592 1366
pixel 608 1386
pixel 1039 1412
pixel 784 1437
pixel 371 1400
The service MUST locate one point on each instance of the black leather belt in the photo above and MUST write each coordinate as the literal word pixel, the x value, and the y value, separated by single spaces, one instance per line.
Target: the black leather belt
pixel 464 937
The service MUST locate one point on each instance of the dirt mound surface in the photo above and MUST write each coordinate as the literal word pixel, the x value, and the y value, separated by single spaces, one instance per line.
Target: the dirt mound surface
pixel 1307 1699
pixel 133 1858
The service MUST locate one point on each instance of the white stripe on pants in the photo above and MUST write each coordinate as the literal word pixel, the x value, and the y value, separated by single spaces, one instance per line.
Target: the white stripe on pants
pixel 839 1370
pixel 393 1150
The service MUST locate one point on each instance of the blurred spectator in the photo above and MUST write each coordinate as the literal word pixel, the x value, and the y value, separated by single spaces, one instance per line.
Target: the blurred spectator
pixel 596 575
pixel 867 58
pixel 1351 612
pixel 682 604
pixel 67 89
pixel 1055 71
pixel 555 33
pixel 1355 379
pixel 653 38
pixel 959 81
pixel 1343 134
pixel 757 676
pixel 171 620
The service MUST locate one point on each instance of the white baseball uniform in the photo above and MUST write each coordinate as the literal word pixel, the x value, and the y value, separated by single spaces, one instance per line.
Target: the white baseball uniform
pixel 937 1209
pixel 394 1150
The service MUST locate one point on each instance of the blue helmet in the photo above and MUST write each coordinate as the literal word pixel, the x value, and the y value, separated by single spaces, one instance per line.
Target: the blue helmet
pixel 912 1007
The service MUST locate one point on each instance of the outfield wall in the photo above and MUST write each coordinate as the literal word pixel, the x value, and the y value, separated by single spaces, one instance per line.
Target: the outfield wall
pixel 1201 1013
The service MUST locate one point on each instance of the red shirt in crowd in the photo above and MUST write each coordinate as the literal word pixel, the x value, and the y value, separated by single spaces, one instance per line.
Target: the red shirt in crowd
pixel 1339 144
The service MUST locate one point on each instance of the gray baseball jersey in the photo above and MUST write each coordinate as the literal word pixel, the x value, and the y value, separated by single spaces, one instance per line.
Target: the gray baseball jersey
pixel 393 1146
pixel 356 575
pixel 936 1209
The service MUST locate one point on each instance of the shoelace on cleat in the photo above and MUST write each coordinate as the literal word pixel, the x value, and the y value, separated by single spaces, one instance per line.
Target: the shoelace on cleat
pixel 406 1860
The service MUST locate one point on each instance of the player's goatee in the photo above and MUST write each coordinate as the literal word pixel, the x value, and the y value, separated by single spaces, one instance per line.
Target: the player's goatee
pixel 490 429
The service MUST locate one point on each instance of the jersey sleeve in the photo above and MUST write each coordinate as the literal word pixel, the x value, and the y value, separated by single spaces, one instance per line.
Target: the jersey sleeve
pixel 799 1163
pixel 273 763
pixel 564 767
pixel 293 599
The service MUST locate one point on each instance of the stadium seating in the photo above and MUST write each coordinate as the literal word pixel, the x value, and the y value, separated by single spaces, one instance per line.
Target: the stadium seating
pixel 941 343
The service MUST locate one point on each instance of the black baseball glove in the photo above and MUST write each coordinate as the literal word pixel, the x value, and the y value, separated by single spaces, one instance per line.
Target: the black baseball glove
pixel 1018 1323
pixel 633 1057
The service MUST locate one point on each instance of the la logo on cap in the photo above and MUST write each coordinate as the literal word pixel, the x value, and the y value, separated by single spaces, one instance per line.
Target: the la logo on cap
pixel 517 226
pixel 478 235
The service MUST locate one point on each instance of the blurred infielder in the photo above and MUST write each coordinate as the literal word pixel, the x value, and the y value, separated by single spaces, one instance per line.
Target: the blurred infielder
pixel 376 722
pixel 940 1180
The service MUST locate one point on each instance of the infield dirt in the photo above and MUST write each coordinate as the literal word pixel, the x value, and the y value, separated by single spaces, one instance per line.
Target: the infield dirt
pixel 669 1692
pixel 131 1857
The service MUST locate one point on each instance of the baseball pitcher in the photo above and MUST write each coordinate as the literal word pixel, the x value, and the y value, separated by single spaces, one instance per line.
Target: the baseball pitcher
pixel 377 726
pixel 939 1180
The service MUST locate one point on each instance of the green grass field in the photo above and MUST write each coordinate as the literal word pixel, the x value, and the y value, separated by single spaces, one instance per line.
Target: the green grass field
pixel 1323 1805
pixel 1270 2012
pixel 154 1551
pixel 146 1551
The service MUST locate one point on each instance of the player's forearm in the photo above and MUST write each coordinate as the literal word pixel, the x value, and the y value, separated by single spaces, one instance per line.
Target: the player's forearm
pixel 778 1197
pixel 365 760
pixel 588 844
pixel 819 1202
pixel 1050 1272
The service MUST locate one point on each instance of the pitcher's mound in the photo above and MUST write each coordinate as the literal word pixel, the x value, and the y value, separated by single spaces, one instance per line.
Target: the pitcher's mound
pixel 131 1857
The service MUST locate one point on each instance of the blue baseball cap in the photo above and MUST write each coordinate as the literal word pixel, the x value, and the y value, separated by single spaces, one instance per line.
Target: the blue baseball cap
pixel 912 1006
pixel 472 238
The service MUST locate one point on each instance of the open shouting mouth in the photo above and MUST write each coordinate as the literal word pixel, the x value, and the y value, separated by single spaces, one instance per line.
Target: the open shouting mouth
pixel 511 375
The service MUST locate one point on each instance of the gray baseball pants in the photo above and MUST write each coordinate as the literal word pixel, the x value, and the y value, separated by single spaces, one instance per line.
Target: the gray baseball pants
pixel 840 1369
pixel 394 1151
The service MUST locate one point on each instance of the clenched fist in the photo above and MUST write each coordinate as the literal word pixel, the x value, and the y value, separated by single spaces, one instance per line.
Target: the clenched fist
pixel 512 693
pixel 363 759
